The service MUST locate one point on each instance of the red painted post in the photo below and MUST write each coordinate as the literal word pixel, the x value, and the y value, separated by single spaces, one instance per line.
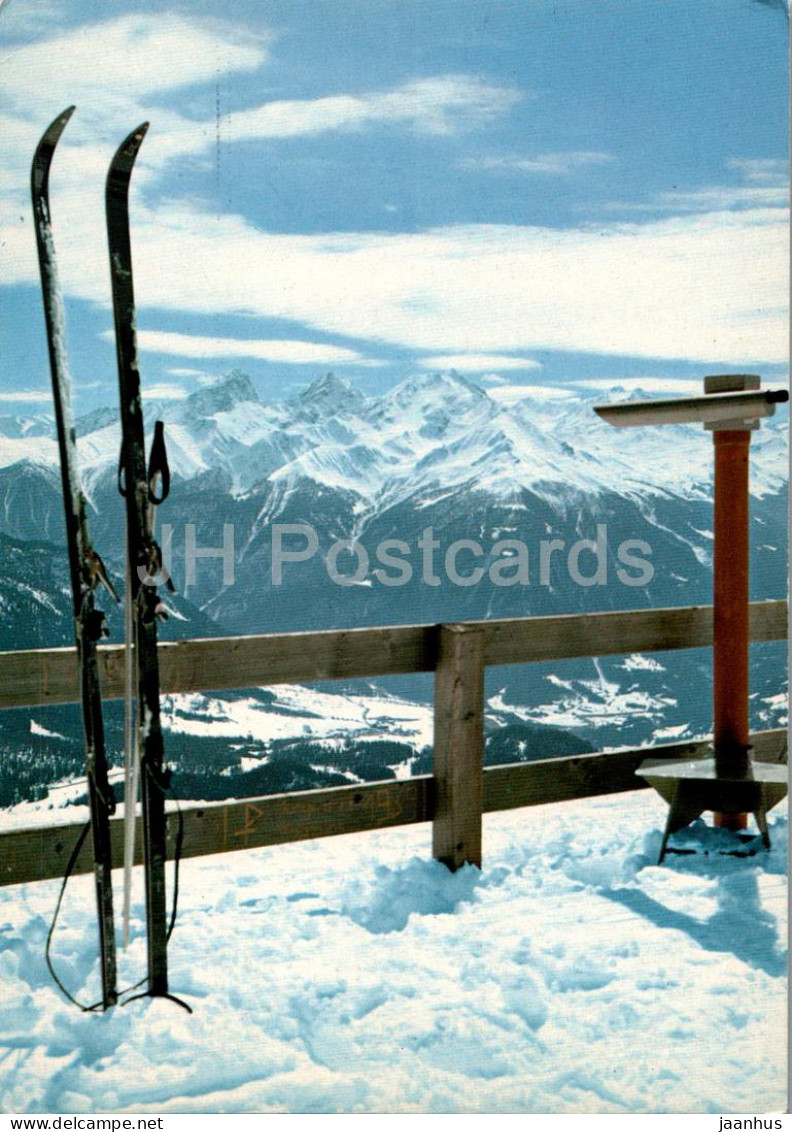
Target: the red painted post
pixel 737 783
pixel 730 600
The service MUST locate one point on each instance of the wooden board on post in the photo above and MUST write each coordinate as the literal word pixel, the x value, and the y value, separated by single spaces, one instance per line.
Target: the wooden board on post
pixel 40 852
pixel 459 745
pixel 41 677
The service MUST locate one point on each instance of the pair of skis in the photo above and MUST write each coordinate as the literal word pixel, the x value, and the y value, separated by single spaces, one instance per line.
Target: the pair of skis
pixel 143 487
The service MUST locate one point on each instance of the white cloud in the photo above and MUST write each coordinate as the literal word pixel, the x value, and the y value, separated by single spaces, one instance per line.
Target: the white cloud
pixel 166 391
pixel 28 18
pixel 444 104
pixel 440 105
pixel 116 72
pixel 29 396
pixel 186 371
pixel 710 288
pixel 127 59
pixel 764 184
pixel 268 350
pixel 761 169
pixel 477 363
pixel 556 164
pixel 713 199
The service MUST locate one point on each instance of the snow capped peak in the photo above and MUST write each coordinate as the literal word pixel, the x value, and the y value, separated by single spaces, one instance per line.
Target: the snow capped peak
pixel 329 395
pixel 634 393
pixel 20 427
pixel 434 430
pixel 438 386
pixel 430 402
pixel 326 386
pixel 98 419
pixel 222 395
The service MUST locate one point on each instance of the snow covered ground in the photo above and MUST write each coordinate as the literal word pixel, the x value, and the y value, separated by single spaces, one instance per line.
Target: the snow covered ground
pixel 356 975
pixel 297 711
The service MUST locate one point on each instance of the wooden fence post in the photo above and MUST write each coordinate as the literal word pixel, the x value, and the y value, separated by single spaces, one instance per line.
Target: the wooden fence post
pixel 459 746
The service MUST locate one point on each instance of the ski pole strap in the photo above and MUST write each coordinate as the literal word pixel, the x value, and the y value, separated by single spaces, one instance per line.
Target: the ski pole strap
pixel 158 466
pixel 75 853
pixel 105 794
pixel 160 776
pixel 97 572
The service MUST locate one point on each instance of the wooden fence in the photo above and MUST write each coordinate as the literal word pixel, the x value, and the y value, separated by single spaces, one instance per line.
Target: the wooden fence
pixel 454 797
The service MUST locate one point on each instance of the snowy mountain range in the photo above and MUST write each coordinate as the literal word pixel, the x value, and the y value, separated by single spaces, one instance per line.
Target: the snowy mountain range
pixel 435 454
pixel 432 431
pixel 436 451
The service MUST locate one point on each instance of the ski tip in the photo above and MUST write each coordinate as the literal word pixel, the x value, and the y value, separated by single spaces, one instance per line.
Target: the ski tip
pixel 46 146
pixel 56 127
pixel 127 152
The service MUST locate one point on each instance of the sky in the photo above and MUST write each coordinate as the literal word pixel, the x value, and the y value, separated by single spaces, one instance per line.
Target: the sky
pixel 551 193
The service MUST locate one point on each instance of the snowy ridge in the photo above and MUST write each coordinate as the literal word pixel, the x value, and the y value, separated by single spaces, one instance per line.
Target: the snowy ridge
pixel 430 431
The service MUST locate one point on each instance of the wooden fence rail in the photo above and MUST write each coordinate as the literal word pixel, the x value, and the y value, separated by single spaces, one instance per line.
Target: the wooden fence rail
pixel 458 792
pixel 34 854
pixel 35 677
